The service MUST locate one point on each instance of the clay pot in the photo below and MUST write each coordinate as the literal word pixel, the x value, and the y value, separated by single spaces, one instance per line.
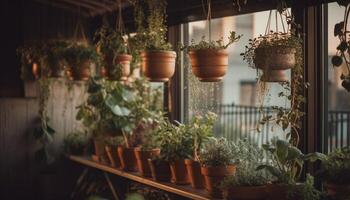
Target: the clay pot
pixel 281 191
pixel 209 65
pixel 82 71
pixel 273 61
pixel 194 173
pixel 245 193
pixel 122 59
pixel 100 151
pixel 112 153
pixel 127 159
pixel 158 66
pixel 179 172
pixel 160 170
pixel 142 157
pixel 335 190
pixel 213 177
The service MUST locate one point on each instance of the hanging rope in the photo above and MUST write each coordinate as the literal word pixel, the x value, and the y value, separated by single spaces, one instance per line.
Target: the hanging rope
pixel 119 21
pixel 79 27
pixel 209 18
pixel 268 25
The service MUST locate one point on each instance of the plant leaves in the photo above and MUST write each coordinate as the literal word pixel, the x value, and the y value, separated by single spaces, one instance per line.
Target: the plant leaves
pixel 282 150
pixel 120 111
pixel 343 2
pixel 338 29
pixel 273 170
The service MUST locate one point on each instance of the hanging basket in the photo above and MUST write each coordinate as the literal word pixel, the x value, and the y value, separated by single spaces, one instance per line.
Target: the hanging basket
pixel 209 65
pixel 121 60
pixel 82 71
pixel 273 61
pixel 158 66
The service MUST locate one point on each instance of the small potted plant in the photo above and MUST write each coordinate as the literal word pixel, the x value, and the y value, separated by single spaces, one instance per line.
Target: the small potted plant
pixel 111 148
pixel 209 60
pixel 160 169
pixel 79 59
pixel 30 56
pixel 158 60
pixel 285 166
pixel 217 162
pixel 201 128
pixel 335 173
pixel 113 47
pixel 148 150
pixel 75 143
pixel 247 183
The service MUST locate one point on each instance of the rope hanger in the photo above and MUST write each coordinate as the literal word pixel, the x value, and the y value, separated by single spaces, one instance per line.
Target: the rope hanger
pixel 208 12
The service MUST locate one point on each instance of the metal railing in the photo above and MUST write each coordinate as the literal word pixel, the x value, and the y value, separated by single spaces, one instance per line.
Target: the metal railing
pixel 338 134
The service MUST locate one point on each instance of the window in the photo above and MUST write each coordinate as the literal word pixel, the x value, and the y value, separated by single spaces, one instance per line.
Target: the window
pixel 236 99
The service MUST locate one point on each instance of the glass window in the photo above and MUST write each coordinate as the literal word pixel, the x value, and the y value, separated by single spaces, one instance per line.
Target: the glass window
pixel 236 99
pixel 338 123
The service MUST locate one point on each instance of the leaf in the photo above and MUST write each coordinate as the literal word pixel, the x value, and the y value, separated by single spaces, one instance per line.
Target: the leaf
pixel 293 153
pixel 120 111
pixel 111 101
pixel 282 150
pixel 273 170
pixel 343 46
pixel 50 130
pixel 315 156
pixel 338 29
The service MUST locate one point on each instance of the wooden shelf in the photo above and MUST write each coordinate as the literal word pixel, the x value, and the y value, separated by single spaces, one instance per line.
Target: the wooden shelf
pixel 185 191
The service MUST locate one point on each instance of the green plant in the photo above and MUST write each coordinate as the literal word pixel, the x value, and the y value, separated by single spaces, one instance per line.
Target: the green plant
pixel 76 54
pixel 75 141
pixel 114 141
pixel 29 54
pixel 175 143
pixel 54 54
pixel 286 161
pixel 218 152
pixel 250 156
pixel 308 191
pixel 340 31
pixel 216 45
pixel 336 167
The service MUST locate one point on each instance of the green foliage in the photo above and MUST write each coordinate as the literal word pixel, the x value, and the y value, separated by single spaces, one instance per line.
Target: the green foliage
pixel 250 156
pixel 308 191
pixel 114 141
pixel 216 45
pixel 336 167
pixel 175 143
pixel 54 54
pixel 109 41
pixel 218 152
pixel 29 54
pixel 75 54
pixel 286 161
pixel 76 141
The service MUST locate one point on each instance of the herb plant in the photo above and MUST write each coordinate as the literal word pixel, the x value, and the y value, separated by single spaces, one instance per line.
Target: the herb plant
pixel 217 152
pixel 342 55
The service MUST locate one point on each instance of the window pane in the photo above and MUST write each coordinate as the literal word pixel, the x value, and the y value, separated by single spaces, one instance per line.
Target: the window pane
pixel 338 98
pixel 236 99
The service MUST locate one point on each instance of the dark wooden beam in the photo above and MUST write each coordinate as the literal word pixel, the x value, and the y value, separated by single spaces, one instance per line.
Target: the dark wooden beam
pixel 84 12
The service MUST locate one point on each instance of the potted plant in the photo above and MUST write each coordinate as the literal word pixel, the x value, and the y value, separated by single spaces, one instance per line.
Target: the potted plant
pixel 286 165
pixel 335 173
pixel 158 61
pixel 201 128
pixel 113 47
pixel 247 183
pixel 209 60
pixel 30 56
pixel 54 57
pixel 79 59
pixel 75 143
pixel 217 162
pixel 111 148
pixel 147 151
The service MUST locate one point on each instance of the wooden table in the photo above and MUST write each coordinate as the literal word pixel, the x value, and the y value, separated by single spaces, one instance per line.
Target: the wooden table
pixel 185 191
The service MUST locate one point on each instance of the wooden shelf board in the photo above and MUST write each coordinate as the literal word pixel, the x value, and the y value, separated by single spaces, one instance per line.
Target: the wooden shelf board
pixel 185 191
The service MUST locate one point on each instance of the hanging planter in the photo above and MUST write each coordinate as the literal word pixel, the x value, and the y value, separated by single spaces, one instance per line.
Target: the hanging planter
pixel 158 66
pixel 274 52
pixel 209 60
pixel 30 55
pixel 54 59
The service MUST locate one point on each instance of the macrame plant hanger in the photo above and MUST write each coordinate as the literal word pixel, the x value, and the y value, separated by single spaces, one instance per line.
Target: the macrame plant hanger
pixel 208 13
pixel 79 29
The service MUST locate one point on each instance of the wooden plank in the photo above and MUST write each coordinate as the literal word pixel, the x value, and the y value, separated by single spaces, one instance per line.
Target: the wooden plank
pixel 185 191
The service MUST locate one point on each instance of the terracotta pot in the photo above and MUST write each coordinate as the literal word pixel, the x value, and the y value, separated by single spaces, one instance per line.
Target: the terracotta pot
pixel 100 151
pixel 160 170
pixel 112 153
pixel 111 62
pixel 127 159
pixel 142 157
pixel 245 193
pixel 179 172
pixel 213 177
pixel 158 66
pixel 82 71
pixel 194 173
pixel 282 191
pixel 209 65
pixel 273 62
pixel 335 190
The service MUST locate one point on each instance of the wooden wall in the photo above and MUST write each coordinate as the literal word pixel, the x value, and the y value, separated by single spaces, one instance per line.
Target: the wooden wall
pixel 19 174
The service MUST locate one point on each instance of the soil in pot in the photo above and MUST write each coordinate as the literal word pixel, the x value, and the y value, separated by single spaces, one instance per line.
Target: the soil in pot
pixel 209 65
pixel 194 173
pixel 335 190
pixel 273 62
pixel 100 151
pixel 127 159
pixel 213 177
pixel 82 71
pixel 158 66
pixel 245 193
pixel 142 157
pixel 179 172
pixel 160 170
pixel 112 153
